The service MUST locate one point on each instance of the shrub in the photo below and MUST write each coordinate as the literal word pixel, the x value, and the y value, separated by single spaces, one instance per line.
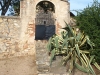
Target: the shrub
pixel 74 46
pixel 88 20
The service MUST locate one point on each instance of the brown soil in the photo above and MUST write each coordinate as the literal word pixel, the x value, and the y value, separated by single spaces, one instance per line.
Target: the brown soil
pixel 22 66
pixel 18 66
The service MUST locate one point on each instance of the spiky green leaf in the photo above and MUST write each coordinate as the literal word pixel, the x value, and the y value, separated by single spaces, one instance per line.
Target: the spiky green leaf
pixel 81 68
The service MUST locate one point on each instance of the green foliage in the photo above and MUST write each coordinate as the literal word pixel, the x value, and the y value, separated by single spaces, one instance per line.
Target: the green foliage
pixel 74 47
pixel 89 21
pixel 16 6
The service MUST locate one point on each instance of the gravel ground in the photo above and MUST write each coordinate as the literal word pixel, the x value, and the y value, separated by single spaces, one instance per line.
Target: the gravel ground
pixel 18 66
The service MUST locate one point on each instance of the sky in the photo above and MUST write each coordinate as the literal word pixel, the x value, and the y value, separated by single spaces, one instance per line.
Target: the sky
pixel 79 4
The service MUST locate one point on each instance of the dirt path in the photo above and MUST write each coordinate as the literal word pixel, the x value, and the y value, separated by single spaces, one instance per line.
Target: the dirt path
pixel 21 66
pixel 18 66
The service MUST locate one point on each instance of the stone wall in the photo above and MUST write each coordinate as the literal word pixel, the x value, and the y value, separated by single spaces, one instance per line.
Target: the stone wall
pixel 9 35
pixel 11 44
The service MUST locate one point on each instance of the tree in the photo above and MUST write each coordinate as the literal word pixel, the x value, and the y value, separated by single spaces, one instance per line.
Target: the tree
pixel 89 21
pixel 9 4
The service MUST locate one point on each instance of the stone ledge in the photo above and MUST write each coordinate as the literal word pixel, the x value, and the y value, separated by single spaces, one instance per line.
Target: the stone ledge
pixel 5 55
pixel 10 17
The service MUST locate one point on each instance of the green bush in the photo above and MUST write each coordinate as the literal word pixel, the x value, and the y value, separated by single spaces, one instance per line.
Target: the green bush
pixel 88 20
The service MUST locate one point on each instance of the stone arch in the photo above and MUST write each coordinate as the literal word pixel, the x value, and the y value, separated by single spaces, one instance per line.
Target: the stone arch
pixel 45 20
pixel 46 5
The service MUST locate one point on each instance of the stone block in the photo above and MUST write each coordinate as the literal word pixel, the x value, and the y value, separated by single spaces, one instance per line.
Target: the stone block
pixel 1 20
pixel 31 22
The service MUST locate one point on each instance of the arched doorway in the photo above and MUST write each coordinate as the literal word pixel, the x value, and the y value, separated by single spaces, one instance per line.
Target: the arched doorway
pixel 45 20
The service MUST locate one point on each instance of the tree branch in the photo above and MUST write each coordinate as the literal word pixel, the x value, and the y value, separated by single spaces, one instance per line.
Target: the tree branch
pixel 5 6
pixel 1 3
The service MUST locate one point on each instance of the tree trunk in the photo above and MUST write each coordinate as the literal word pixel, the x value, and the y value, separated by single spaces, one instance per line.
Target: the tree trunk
pixel 3 12
pixel 5 7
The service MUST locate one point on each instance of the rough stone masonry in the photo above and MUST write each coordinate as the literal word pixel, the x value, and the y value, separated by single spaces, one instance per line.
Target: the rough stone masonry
pixel 18 33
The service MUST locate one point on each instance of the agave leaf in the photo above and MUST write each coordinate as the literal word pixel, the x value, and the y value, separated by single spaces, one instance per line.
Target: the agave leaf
pixel 81 68
pixel 74 55
pixel 85 51
pixel 91 70
pixel 78 37
pixel 83 42
pixel 65 43
pixel 70 29
pixel 91 58
pixel 86 58
pixel 64 34
pixel 96 65
pixel 74 31
pixel 71 38
pixel 63 51
pixel 52 56
pixel 89 42
pixel 49 44
pixel 71 41
pixel 71 65
pixel 67 57
pixel 83 62
pixel 83 55
pixel 77 49
pixel 82 36
pixel 88 63
pixel 61 39
pixel 56 42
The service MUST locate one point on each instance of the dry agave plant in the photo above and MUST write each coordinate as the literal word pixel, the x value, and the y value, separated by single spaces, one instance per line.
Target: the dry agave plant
pixel 75 47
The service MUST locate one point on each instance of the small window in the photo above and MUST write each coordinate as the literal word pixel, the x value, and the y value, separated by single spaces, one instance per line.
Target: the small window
pixel 10 8
pixel 44 22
